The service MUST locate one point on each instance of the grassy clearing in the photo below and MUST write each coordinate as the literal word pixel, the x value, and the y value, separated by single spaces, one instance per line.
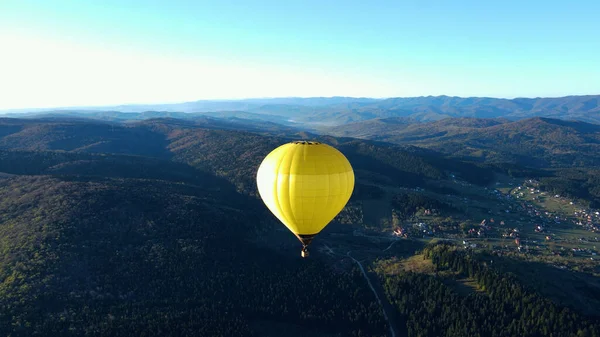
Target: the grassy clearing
pixel 547 202
pixel 395 265
pixel 463 286
pixel 417 264
pixel 504 190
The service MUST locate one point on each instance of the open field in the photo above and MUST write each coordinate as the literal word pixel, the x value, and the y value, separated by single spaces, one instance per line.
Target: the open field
pixel 463 286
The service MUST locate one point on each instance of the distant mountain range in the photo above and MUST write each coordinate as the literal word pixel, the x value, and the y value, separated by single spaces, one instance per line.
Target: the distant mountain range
pixel 329 111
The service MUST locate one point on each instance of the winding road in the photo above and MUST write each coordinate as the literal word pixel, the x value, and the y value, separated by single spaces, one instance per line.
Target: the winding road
pixel 378 296
pixel 383 307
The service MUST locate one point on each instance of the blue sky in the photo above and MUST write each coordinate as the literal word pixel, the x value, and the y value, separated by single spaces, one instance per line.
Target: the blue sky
pixel 66 53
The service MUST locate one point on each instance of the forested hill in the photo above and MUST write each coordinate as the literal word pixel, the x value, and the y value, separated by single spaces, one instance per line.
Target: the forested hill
pixel 232 154
pixel 153 228
pixel 140 229
pixel 535 142
pixel 86 256
pixel 104 232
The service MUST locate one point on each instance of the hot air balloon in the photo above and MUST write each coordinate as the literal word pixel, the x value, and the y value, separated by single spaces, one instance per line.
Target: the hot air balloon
pixel 305 185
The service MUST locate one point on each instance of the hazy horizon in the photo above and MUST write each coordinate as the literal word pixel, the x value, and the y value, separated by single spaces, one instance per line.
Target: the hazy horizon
pixel 75 54
pixel 20 109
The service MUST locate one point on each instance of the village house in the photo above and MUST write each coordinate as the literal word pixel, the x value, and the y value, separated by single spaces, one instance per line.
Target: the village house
pixel 399 231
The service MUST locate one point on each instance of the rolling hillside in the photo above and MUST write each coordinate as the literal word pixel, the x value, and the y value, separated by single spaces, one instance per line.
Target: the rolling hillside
pixel 127 242
pixel 153 227
pixel 534 142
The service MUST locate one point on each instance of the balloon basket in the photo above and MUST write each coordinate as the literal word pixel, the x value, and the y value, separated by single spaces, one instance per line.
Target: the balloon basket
pixel 304 253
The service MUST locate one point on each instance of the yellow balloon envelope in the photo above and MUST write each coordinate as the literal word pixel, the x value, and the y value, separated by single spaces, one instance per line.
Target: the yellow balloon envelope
pixel 305 185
